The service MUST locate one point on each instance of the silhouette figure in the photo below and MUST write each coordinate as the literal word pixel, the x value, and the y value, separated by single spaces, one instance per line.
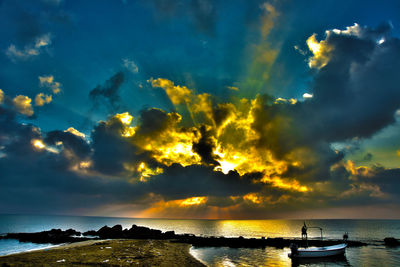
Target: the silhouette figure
pixel 304 231
pixel 345 236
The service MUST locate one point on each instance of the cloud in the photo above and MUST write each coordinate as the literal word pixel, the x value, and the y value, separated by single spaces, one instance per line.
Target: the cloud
pixel 29 51
pixel 355 92
pixel 42 99
pixel 48 81
pixel 75 132
pixel 233 88
pixel 321 52
pixel 206 146
pixel 178 182
pixel 108 93
pixel 130 65
pixel 69 141
pixel 242 156
pixel 23 105
pixel 177 94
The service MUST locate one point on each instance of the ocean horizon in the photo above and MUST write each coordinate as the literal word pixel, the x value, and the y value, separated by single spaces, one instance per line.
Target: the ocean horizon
pixel 371 231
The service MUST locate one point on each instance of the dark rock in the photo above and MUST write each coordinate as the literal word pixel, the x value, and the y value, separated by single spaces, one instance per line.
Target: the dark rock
pixel 54 236
pixel 110 233
pixel 72 232
pixel 391 242
pixel 169 234
pixel 90 233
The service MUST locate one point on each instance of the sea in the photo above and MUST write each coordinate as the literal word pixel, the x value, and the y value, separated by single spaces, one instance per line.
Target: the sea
pixel 371 231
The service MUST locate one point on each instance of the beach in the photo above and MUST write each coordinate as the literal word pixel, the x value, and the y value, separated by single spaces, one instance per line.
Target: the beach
pixel 119 252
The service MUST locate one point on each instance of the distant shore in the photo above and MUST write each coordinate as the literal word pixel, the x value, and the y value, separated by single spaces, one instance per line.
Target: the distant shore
pixel 117 252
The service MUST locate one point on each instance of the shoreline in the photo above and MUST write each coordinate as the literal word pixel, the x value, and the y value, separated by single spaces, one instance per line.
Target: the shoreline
pixel 55 246
pixel 121 252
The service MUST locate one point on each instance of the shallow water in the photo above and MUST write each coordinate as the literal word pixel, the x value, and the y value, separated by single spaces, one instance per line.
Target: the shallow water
pixel 372 231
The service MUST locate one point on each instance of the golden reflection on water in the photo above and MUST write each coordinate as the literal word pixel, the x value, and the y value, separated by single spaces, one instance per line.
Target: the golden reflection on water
pixel 260 228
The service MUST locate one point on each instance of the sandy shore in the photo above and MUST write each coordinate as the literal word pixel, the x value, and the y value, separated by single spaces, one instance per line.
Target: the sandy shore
pixel 119 252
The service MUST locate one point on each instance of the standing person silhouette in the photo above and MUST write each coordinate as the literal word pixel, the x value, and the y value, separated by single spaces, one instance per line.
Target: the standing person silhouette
pixel 304 231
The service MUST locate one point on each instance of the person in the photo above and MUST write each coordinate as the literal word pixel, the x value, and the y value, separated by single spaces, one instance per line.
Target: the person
pixel 345 236
pixel 304 231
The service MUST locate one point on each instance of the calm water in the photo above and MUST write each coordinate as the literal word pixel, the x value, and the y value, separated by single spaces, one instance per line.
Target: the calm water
pixel 365 230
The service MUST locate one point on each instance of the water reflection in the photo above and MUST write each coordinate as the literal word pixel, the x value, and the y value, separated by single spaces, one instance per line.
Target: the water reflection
pixel 330 261
pixel 258 228
pixel 260 257
pixel 355 256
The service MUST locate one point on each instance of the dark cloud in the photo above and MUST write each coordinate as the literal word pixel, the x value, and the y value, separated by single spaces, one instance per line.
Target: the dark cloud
pixel 206 146
pixel 356 93
pixel 70 141
pixel 108 93
pixel 179 182
pixel 387 180
pixel 355 96
pixel 154 121
pixel 110 148
pixel 222 112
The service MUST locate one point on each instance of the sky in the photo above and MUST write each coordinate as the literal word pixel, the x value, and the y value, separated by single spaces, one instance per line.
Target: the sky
pixel 204 109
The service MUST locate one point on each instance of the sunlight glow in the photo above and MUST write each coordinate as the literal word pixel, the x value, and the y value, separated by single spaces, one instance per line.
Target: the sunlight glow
pixel 193 201
pixel 147 172
pixel 37 143
pixel 125 118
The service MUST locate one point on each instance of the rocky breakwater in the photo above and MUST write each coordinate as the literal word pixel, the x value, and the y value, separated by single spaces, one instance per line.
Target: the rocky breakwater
pixel 57 236
pixel 54 236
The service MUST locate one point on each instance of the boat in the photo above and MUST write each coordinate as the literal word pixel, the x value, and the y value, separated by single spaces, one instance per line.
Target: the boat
pixel 317 252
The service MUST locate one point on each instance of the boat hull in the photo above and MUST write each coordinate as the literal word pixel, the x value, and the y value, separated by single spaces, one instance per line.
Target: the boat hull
pixel 320 252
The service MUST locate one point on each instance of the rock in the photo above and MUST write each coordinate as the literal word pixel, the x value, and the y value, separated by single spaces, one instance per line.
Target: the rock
pixel 391 241
pixel 107 232
pixel 91 233
pixel 169 234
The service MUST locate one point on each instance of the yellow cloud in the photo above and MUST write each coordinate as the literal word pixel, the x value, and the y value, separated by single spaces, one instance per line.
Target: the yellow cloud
pixel 193 201
pixel 75 132
pixel 39 146
pixel 231 135
pixel 23 105
pixel 146 172
pixel 126 120
pixel 177 94
pixel 42 99
pixel 49 82
pixel 321 52
pixel 233 88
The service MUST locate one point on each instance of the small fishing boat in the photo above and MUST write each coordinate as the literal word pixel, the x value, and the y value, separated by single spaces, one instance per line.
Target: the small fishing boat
pixel 317 252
